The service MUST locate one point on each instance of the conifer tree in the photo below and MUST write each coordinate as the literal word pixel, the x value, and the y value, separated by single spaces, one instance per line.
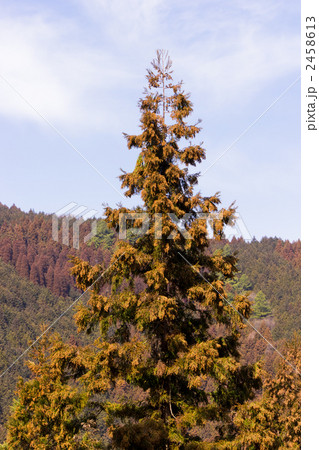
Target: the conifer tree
pixel 261 306
pixel 157 336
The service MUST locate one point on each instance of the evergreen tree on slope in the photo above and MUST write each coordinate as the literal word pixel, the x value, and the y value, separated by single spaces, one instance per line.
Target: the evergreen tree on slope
pixel 158 338
pixel 165 326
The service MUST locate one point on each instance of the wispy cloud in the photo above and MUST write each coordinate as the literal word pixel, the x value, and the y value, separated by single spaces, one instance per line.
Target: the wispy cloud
pixel 78 72
pixel 218 46
pixel 66 79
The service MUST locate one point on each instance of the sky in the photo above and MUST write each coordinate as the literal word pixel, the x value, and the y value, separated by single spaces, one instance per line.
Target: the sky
pixel 71 75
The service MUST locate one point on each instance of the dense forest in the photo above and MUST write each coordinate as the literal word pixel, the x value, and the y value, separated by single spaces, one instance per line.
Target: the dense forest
pixel 36 286
pixel 176 343
pixel 28 301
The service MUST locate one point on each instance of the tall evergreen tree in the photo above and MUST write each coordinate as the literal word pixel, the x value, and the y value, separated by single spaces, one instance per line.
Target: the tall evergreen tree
pixel 157 337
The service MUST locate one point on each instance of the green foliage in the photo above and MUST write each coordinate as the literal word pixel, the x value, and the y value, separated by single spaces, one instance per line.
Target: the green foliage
pixel 104 237
pixel 239 285
pixel 24 306
pixel 243 284
pixel 277 275
pixel 227 251
pixel 261 306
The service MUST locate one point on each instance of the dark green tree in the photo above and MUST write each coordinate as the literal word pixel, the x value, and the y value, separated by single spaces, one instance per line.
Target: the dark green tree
pixel 239 285
pixel 261 307
pixel 104 237
pixel 244 284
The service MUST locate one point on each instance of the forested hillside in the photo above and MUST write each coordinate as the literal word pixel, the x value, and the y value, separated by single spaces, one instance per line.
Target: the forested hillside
pixel 24 306
pixel 272 266
pixel 26 243
pixel 36 286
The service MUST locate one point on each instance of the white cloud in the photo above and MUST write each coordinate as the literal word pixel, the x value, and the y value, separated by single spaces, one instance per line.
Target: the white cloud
pixel 58 73
pixel 77 70
pixel 126 21
pixel 236 47
pixel 238 53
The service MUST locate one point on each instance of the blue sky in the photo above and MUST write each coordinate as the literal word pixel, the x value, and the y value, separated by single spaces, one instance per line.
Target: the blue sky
pixel 81 65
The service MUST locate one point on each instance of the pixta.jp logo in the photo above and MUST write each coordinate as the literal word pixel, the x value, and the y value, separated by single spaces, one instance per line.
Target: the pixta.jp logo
pixel 72 215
